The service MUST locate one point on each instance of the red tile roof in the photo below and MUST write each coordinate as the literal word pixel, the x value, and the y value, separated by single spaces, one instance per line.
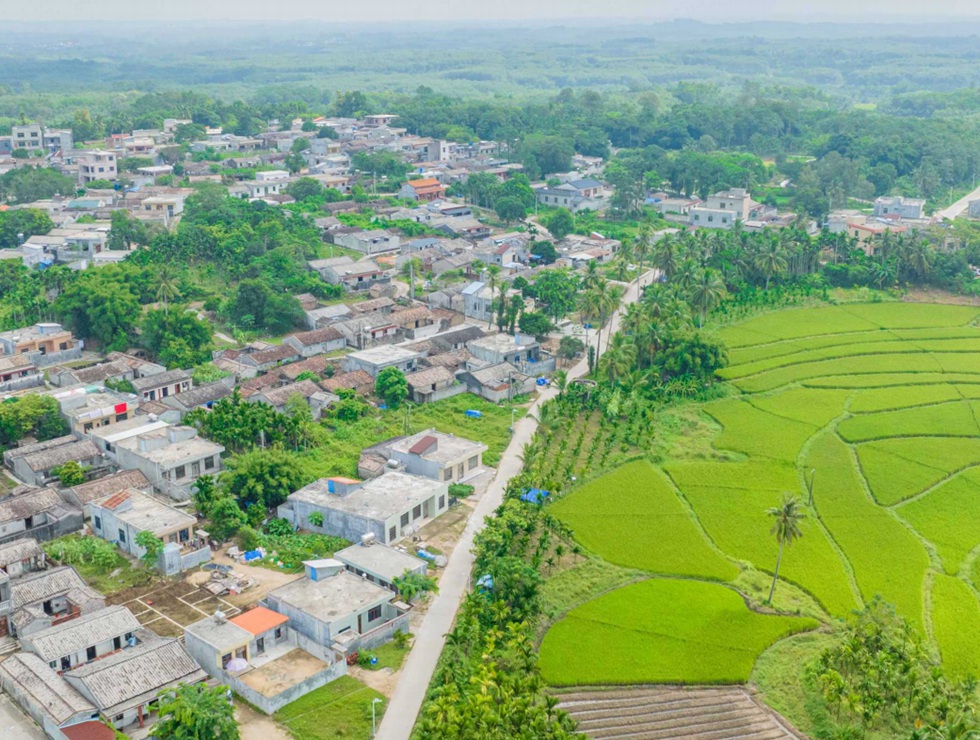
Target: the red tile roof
pixel 259 620
pixel 423 445
pixel 91 730
pixel 116 499
pixel 425 182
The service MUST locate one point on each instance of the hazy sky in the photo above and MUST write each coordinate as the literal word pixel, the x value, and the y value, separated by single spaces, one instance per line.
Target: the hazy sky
pixel 449 10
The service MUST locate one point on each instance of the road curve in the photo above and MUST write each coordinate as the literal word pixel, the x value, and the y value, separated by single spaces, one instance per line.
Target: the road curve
pixel 406 702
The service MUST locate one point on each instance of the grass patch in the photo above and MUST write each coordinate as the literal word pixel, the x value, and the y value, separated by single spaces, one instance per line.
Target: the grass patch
pixel 389 655
pixel 633 518
pixel 661 631
pixel 109 573
pixel 949 517
pixel 955 625
pixel 757 433
pixel 577 584
pixel 342 708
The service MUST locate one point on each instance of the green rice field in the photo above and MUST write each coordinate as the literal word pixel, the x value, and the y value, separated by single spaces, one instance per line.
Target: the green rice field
pixel 870 415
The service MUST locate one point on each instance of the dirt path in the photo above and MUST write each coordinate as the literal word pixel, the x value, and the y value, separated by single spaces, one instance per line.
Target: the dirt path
pixel 257 726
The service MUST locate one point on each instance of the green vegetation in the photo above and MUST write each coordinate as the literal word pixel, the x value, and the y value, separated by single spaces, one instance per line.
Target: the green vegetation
pixel 662 631
pixel 955 621
pixel 195 711
pixel 100 563
pixel 342 708
pixel 633 518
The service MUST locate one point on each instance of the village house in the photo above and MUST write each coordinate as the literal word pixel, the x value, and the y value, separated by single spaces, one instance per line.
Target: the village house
pixel 722 210
pixel 113 371
pixel 35 464
pixel 46 697
pixel 38 513
pixel 243 651
pixel 199 397
pixel 520 350
pixel 424 190
pixel 439 456
pixel 377 241
pixel 119 518
pixel 21 556
pixel 44 344
pixel 357 380
pixel 172 459
pixel 310 392
pixel 374 360
pixel 379 563
pixel 500 382
pixel 83 495
pixel 154 387
pixel 897 206
pixel 433 384
pixel 391 506
pixel 264 360
pixel 96 165
pixel 18 372
pixel 317 365
pixel 107 438
pixel 319 318
pixel 316 342
pixel 478 301
pixel 354 276
pixel 82 640
pixel 334 608
pixel 85 411
pixel 48 598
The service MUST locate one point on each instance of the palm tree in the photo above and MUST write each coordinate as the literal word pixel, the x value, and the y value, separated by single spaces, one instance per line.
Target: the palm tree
pixel 560 379
pixel 707 291
pixel 167 288
pixel 609 298
pixel 641 248
pixel 665 256
pixel 786 529
pixel 770 261
pixel 494 272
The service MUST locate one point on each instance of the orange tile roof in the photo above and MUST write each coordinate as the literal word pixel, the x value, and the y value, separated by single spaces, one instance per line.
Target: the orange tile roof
pixel 90 730
pixel 115 500
pixel 426 182
pixel 342 479
pixel 259 620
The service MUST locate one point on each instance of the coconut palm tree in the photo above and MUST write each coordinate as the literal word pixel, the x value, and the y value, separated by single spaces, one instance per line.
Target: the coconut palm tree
pixel 707 291
pixel 642 247
pixel 770 261
pixel 665 256
pixel 167 288
pixel 786 529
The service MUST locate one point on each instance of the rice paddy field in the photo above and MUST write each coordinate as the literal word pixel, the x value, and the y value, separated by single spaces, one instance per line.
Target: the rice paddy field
pixel 870 415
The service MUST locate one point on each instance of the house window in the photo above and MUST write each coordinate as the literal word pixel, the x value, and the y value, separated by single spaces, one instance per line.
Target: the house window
pixel 405 519
pixel 374 613
pixel 116 643
pixel 121 417
pixel 208 463
pixel 392 533
pixel 180 471
pixel 90 653
pixel 122 536
pixel 98 522
pixel 442 502
pixel 473 461
pixel 447 474
pixel 417 512
pixel 63 346
pixel 195 469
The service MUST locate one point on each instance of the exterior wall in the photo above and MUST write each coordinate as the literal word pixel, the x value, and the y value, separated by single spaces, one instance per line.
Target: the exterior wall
pixel 35 712
pixel 18 384
pixel 384 633
pixel 81 657
pixel 440 394
pixel 335 523
pixel 272 704
pixel 50 529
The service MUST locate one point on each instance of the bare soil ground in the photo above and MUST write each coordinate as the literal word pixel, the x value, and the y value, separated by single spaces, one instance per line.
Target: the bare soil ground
pixel 280 674
pixel 257 726
pixel 940 296
pixel 168 608
pixel 673 713
pixel 382 681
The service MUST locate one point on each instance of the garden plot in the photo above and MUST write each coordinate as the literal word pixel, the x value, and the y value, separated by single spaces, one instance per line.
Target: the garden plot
pixel 168 609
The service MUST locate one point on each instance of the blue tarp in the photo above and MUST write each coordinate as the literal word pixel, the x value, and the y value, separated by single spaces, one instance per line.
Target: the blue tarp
pixel 474 414
pixel 485 582
pixel 425 555
pixel 535 495
pixel 252 555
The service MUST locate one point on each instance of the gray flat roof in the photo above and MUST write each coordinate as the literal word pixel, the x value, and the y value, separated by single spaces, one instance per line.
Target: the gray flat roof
pixel 379 498
pixel 449 447
pixel 223 635
pixel 385 353
pixel 146 513
pixel 333 597
pixel 379 560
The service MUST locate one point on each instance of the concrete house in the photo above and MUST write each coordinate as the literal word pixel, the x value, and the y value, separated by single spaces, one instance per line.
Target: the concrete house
pixel 45 696
pixel 274 664
pixel 439 456
pixel 96 165
pixel 521 351
pixel 119 518
pixel 85 411
pixel 171 459
pixel 40 513
pixel 317 341
pixel 158 387
pixel 48 598
pixel 82 640
pixel 391 506
pixel 107 438
pixel 364 331
pixel 35 464
pixel 425 189
pixel 497 383
pixel 377 241
pixel 897 206
pixel 380 564
pixel 44 344
pixel 18 372
pixel 84 494
pixel 199 397
pixel 334 608
pixel 433 384
pixel 374 360
pixel 722 210
pixel 478 301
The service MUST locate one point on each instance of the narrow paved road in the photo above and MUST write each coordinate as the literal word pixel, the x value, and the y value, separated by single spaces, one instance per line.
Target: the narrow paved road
pixel 959 206
pixel 403 709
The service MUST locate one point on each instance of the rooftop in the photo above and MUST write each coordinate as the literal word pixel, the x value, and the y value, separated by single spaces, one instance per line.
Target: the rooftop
pixel 37 587
pixel 317 336
pixel 155 381
pixel 352 379
pixel 333 597
pixel 110 484
pixel 100 372
pixel 145 512
pixel 431 376
pixel 201 395
pixel 383 355
pixel 379 560
pixel 175 452
pixel 29 504
pixel 379 498
pixel 94 402
pixel 19 550
pixel 44 688
pixel 502 343
pixel 438 447
pixel 222 634
pixel 79 633
pixel 279 396
pixel 259 620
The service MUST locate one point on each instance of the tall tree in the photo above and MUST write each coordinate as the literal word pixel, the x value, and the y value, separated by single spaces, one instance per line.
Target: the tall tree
pixel 786 529
pixel 196 712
